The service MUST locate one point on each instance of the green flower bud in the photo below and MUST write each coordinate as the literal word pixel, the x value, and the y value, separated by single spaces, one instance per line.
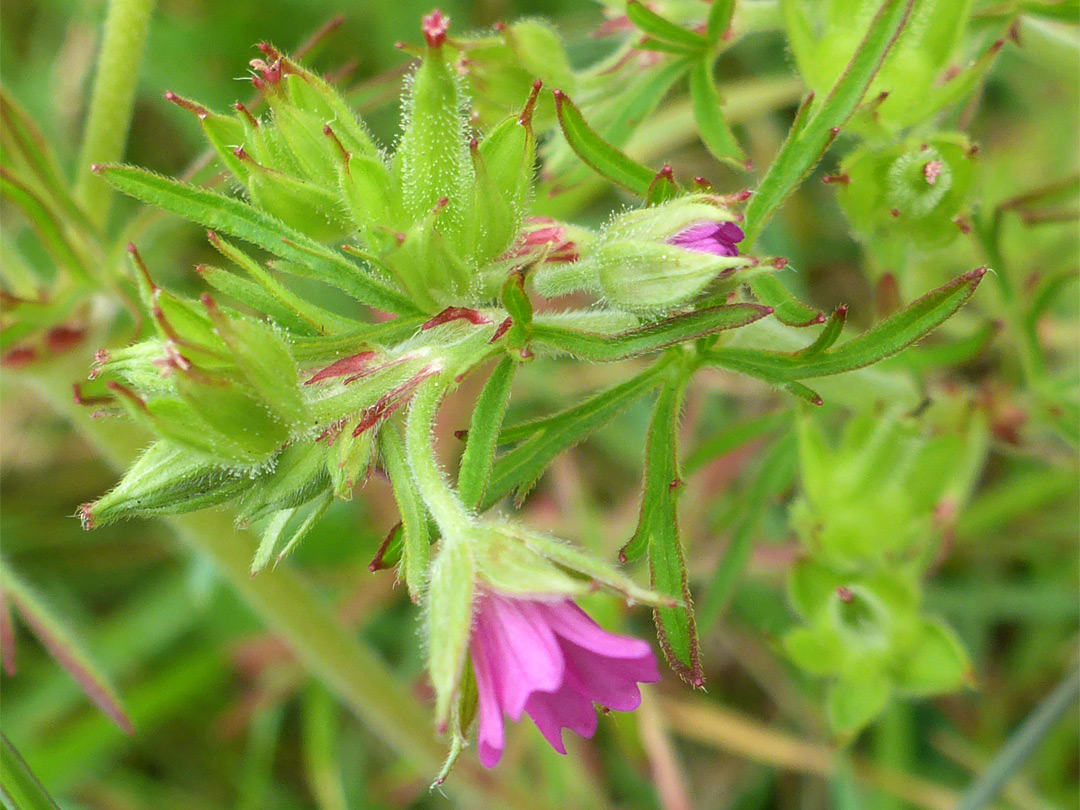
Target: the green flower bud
pixel 913 83
pixel 264 359
pixel 655 277
pixel 500 67
pixel 298 475
pixel 310 208
pixel 448 618
pixel 166 479
pixel 371 199
pixel 432 162
pixel 917 190
pixel 427 266
pixel 349 461
pixel 653 259
pixel 233 409
pixel 316 155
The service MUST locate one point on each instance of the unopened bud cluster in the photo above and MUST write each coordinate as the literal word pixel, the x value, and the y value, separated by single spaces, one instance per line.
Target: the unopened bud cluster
pixel 869 517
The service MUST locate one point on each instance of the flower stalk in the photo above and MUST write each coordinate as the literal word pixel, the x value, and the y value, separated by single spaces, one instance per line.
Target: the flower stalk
pixel 112 101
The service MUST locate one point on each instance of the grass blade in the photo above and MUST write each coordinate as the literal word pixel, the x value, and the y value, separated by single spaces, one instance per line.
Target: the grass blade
pixel 19 788
pixel 1022 744
pixel 62 645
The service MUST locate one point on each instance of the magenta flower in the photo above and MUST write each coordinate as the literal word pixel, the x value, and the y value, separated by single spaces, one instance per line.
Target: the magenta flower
pixel 718 238
pixel 549 660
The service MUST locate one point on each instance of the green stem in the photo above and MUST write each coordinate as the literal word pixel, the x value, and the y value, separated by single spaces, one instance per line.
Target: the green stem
pixel 450 514
pixel 341 661
pixel 112 101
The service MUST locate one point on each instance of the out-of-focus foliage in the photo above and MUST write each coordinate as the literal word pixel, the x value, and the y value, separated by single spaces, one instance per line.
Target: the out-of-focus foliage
pixel 916 536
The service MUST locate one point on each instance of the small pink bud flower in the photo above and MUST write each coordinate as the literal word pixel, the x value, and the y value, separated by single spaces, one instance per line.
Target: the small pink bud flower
pixel 717 238
pixel 548 659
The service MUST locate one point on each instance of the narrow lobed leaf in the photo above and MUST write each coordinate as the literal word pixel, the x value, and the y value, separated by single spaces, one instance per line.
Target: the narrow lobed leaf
pixel 650 338
pixel 886 339
pixel 602 157
pixel 219 212
pixel 484 426
pixel 709 116
pixel 664 30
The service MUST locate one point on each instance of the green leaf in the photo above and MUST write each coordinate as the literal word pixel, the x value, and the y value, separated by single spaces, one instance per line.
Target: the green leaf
pixel 229 215
pixel 565 555
pixel 264 359
pixel 271 535
pixel 640 100
pixel 650 338
pixel 817 649
pixel 46 223
pixel 853 704
pixel 789 310
pixel 258 298
pixel 936 662
pixel 658 530
pixel 709 117
pixel 811 585
pixel 543 439
pixel 805 146
pixel 833 327
pixel 487 420
pixel 719 20
pixel 602 157
pixel 309 514
pixel 29 153
pixel 64 647
pixel 298 475
pixel 886 339
pixel 416 538
pixel 19 788
pixel 954 353
pixel 314 316
pixel 656 26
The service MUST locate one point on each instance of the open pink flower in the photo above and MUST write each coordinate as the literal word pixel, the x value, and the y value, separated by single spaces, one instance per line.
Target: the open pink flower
pixel 550 660
pixel 718 238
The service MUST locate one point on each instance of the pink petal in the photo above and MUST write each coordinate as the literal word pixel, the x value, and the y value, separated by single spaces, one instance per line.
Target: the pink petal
pixel 489 736
pixel 521 650
pixel 705 232
pixel 563 709
pixel 570 622
pixel 730 232
pixel 611 682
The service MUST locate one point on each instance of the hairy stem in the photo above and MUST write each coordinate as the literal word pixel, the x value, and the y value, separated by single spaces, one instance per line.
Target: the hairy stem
pixel 112 101
pixel 445 506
